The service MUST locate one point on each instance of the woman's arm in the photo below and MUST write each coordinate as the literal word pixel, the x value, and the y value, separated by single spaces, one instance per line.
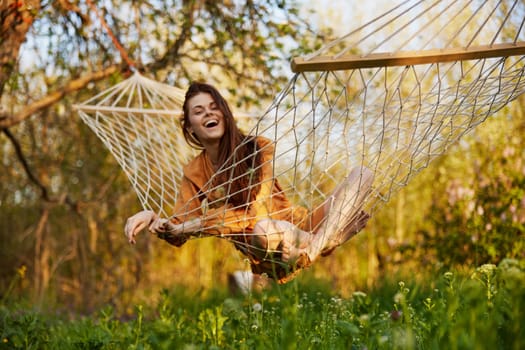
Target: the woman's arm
pixel 137 223
pixel 164 228
pixel 196 217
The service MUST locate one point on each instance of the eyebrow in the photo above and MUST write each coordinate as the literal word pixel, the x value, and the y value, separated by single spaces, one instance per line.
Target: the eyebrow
pixel 202 105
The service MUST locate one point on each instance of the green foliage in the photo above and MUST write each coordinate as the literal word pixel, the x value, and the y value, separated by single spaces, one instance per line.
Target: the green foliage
pixel 452 311
pixel 480 216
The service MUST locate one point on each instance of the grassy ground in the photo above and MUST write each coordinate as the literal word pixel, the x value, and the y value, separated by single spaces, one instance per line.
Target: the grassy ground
pixel 481 310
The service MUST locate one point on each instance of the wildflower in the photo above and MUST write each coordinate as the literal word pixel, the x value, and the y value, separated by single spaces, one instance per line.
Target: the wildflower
pixel 428 303
pixel 336 300
pixel 359 294
pixel 396 315
pixel 448 275
pixel 22 271
pixel 487 269
pixel 257 307
pixel 364 318
pixel 399 297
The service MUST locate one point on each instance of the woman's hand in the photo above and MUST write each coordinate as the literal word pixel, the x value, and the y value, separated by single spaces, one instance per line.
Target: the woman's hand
pixel 161 226
pixel 137 223
pixel 149 219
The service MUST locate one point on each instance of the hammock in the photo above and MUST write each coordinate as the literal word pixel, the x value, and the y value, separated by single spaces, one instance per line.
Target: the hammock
pixel 389 97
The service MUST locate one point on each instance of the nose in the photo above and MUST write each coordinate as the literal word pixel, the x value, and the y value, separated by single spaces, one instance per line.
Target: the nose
pixel 208 111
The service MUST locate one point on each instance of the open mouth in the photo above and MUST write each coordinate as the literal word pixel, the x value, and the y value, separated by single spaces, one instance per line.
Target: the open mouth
pixel 211 123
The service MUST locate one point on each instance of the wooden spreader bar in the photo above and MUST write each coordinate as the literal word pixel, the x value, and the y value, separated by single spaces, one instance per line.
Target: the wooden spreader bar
pixel 406 58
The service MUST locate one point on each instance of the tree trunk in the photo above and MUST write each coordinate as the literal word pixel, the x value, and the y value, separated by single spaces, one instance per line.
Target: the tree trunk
pixel 41 266
pixel 16 17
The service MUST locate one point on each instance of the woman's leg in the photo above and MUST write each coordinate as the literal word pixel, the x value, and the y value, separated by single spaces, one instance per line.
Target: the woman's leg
pixel 276 236
pixel 343 218
pixel 343 214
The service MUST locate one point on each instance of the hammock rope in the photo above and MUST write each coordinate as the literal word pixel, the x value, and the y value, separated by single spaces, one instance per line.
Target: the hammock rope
pixel 389 98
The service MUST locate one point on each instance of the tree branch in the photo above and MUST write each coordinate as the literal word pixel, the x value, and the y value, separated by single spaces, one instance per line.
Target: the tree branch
pixel 16 17
pixel 10 120
pixel 173 52
pixel 65 198
pixel 25 165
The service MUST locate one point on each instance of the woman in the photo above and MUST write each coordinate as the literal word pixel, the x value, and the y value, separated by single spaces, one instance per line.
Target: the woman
pixel 229 190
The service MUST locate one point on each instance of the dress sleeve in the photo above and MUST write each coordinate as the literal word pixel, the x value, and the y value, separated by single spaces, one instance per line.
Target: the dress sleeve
pixel 225 220
pixel 187 207
pixel 216 217
pixel 188 204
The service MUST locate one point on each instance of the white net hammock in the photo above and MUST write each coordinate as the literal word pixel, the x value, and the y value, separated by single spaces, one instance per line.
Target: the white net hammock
pixel 389 97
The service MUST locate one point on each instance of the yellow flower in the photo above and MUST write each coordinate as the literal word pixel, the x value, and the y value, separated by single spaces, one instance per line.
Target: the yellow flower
pixel 22 271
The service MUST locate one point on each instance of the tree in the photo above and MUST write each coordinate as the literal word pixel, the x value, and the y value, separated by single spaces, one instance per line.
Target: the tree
pixel 63 200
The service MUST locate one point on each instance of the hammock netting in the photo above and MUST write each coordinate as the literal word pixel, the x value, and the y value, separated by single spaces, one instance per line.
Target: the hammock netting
pixel 389 97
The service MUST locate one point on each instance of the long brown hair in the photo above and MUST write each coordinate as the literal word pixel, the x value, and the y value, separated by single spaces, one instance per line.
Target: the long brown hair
pixel 239 158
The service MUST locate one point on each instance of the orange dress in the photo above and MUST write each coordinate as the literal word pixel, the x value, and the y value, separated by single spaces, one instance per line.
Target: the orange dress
pixel 221 219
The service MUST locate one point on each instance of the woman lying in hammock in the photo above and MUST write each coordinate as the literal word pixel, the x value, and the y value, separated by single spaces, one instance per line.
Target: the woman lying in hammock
pixel 229 191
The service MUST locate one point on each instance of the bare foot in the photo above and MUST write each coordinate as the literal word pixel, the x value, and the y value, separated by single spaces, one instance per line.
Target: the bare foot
pixel 294 244
pixel 355 226
pixel 349 231
pixel 290 253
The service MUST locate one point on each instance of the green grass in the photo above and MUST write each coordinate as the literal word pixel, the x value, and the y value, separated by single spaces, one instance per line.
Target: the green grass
pixel 483 310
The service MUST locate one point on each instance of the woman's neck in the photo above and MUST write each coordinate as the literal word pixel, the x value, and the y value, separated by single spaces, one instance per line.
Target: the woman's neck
pixel 213 155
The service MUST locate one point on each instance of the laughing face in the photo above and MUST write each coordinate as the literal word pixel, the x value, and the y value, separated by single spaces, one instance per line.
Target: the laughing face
pixel 206 120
